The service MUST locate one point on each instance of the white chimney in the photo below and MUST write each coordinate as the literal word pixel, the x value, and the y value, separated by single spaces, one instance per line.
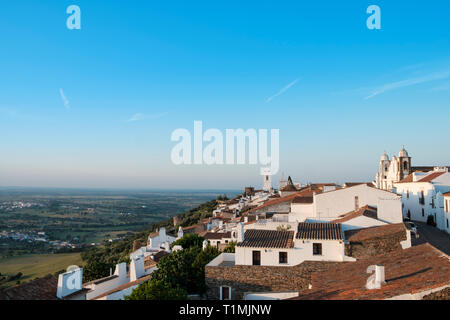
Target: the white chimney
pixel 245 219
pixel 220 224
pixel 167 246
pixel 137 268
pixel 205 244
pixel 377 279
pixel 240 232
pixel 162 232
pixel 121 271
pixel 180 233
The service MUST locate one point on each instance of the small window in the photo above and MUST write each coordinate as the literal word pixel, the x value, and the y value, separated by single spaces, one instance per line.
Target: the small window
pixel 447 223
pixel 317 249
pixel 283 257
pixel 356 203
pixel 423 212
pixel 407 194
pixel 225 293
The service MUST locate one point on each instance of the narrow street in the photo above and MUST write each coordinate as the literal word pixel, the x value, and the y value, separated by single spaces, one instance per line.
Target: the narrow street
pixel 434 236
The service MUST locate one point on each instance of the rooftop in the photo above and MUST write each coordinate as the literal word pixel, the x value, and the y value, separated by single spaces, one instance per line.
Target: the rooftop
pixel 255 238
pixel 38 289
pixel 319 231
pixel 408 271
pixel 374 232
pixel 367 211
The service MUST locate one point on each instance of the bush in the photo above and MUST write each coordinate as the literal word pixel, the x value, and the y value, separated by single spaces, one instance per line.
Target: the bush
pixel 188 241
pixel 231 248
pixel 157 290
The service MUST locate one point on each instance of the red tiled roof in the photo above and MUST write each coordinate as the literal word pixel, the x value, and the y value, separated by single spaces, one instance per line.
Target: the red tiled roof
pixel 447 194
pixel 38 289
pixel 288 198
pixel 408 271
pixel 407 179
pixel 374 232
pixel 319 231
pixel 352 184
pixel 431 176
pixel 303 199
pixel 366 211
pixel 217 235
pixel 255 238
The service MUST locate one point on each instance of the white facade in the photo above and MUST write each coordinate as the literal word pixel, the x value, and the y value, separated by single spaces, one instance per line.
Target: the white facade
pixel 332 250
pixel 421 199
pixel 330 205
pixel 160 239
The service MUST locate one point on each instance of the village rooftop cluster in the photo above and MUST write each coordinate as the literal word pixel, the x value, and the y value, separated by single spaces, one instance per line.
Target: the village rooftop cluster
pixel 314 241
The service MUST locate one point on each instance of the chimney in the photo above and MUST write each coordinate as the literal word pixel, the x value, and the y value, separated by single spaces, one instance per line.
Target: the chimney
pixel 69 282
pixel 245 219
pixel 162 232
pixel 180 233
pixel 121 271
pixel 137 268
pixel 240 232
pixel 205 244
pixel 377 279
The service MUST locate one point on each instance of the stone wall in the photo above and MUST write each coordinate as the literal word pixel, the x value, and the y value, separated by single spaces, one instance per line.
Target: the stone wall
pixel 243 279
pixel 440 295
pixel 362 247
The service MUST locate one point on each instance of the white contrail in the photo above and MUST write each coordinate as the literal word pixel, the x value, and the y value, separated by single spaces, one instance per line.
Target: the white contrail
pixel 409 82
pixel 63 97
pixel 282 90
pixel 140 116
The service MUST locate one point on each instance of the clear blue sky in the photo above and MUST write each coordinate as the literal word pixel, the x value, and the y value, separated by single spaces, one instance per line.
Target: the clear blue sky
pixel 165 64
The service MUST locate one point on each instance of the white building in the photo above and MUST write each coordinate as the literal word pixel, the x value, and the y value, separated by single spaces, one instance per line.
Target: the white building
pixel 392 171
pixel 307 242
pixel 422 195
pixel 159 239
pixel 330 205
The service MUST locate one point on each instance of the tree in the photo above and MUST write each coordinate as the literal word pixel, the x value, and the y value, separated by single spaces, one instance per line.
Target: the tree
pixel 157 290
pixel 96 269
pixel 231 248
pixel 185 269
pixel 189 241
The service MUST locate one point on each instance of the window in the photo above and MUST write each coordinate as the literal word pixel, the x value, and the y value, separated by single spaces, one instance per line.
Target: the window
pixel 423 212
pixel 407 194
pixel 447 223
pixel 422 198
pixel 283 256
pixel 225 293
pixel 256 258
pixel 356 203
pixel 405 165
pixel 317 249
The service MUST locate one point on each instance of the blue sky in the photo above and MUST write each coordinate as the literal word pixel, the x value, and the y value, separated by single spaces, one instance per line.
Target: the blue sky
pixel 340 93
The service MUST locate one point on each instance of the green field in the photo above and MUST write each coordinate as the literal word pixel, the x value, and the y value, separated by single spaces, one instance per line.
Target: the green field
pixel 36 265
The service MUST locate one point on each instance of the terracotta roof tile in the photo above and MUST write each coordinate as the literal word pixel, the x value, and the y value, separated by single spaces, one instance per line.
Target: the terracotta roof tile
pixel 407 271
pixel 303 199
pixel 432 176
pixel 366 211
pixel 38 289
pixel 217 235
pixel 374 232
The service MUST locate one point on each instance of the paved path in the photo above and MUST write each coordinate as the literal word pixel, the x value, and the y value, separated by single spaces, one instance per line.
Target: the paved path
pixel 434 236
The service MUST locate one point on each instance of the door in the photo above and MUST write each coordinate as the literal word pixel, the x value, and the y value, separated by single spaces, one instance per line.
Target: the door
pixel 256 258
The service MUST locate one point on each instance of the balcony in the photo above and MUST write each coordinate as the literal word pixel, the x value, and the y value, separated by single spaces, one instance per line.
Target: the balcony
pixel 223 260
